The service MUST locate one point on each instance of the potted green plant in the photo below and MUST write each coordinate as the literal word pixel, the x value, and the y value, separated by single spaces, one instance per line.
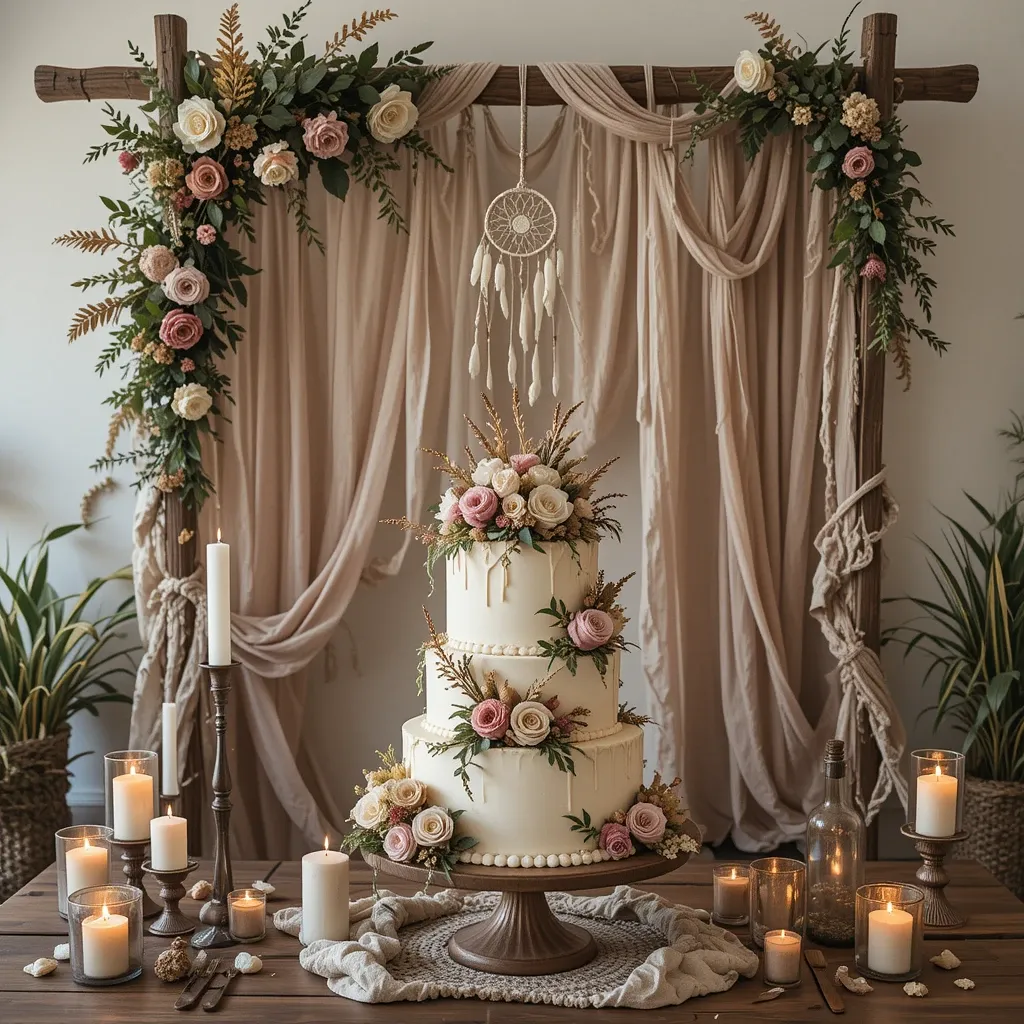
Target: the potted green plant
pixel 972 634
pixel 54 662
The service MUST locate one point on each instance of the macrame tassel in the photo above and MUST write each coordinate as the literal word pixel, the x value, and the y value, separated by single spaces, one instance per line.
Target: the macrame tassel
pixel 478 259
pixel 485 270
pixel 499 287
pixel 550 286
pixel 538 302
pixel 513 365
pixel 525 322
pixel 534 393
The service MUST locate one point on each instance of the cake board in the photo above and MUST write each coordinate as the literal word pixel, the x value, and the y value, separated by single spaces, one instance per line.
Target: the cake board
pixel 522 936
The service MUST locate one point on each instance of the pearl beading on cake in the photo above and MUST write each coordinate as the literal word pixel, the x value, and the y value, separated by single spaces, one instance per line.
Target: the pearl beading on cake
pixel 578 736
pixel 540 860
pixel 511 650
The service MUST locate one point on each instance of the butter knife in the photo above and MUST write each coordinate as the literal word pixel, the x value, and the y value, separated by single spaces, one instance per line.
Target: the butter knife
pixel 216 992
pixel 196 986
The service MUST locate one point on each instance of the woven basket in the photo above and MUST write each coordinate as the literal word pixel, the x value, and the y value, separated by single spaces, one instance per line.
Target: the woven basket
pixel 994 815
pixel 33 805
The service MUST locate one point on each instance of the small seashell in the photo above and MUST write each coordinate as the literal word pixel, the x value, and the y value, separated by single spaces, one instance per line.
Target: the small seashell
pixel 41 967
pixel 265 887
pixel 965 983
pixel 248 964
pixel 62 951
pixel 173 963
pixel 768 994
pixel 915 988
pixel 202 890
pixel 947 960
pixel 859 986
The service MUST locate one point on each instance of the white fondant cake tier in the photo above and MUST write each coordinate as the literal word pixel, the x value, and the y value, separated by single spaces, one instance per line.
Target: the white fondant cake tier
pixel 494 603
pixel 585 689
pixel 519 800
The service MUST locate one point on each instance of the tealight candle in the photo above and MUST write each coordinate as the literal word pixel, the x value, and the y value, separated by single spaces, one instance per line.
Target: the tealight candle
pixel 168 843
pixel 105 945
pixel 247 919
pixel 890 940
pixel 731 894
pixel 86 865
pixel 936 803
pixel 782 957
pixel 133 805
pixel 324 895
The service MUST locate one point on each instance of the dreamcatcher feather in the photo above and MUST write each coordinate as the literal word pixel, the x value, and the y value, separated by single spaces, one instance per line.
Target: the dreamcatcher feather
pixel 519 266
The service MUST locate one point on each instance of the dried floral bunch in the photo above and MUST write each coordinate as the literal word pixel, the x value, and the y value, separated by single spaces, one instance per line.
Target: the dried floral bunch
pixel 527 497
pixel 248 125
pixel 499 716
pixel 857 156
pixel 654 821
pixel 594 631
pixel 394 817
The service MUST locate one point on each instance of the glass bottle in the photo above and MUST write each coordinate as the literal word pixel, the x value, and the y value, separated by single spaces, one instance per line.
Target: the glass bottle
pixel 835 856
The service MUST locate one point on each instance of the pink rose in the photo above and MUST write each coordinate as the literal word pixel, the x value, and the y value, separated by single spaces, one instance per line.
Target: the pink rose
pixel 647 822
pixel 591 628
pixel 399 843
pixel 521 463
pixel 324 135
pixel 873 268
pixel 207 179
pixel 490 719
pixel 206 234
pixel 180 329
pixel 614 839
pixel 128 161
pixel 156 262
pixel 186 286
pixel 859 162
pixel 478 506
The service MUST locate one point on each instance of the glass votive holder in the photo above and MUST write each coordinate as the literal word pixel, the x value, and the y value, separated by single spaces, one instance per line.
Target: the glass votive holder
pixel 247 914
pixel 889 942
pixel 782 953
pixel 937 792
pixel 131 790
pixel 731 905
pixel 105 930
pixel 83 859
pixel 778 897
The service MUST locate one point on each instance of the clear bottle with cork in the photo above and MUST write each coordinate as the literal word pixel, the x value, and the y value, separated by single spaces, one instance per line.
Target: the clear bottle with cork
pixel 835 856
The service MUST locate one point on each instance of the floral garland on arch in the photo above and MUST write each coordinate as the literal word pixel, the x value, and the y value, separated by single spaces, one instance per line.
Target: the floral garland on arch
pixel 246 126
pixel 856 155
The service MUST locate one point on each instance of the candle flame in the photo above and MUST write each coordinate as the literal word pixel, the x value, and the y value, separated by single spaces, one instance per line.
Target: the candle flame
pixel 837 868
pixel 169 814
pixel 218 534
pixel 131 770
pixel 938 769
pixel 782 933
pixel 327 843
pixel 733 872
pixel 105 914
pixel 86 843
pixel 888 906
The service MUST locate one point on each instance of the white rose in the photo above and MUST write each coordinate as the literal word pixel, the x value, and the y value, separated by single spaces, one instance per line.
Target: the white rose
pixel 394 116
pixel 513 505
pixel 485 469
pixel 370 811
pixel 276 165
pixel 408 793
pixel 448 502
pixel 186 286
pixel 530 722
pixel 191 401
pixel 549 506
pixel 753 73
pixel 583 508
pixel 505 482
pixel 433 826
pixel 199 126
pixel 536 476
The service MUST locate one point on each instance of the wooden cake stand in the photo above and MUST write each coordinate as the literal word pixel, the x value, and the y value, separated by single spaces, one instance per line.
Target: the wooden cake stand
pixel 522 936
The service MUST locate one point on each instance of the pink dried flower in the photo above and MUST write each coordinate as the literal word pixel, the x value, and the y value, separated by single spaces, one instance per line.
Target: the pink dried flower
pixel 521 463
pixel 552 702
pixel 873 268
pixel 156 262
pixel 183 199
pixel 591 628
pixel 398 814
pixel 646 822
pixel 563 725
pixel 206 234
pixel 399 843
pixel 478 506
pixel 187 365
pixel 614 839
pixel 490 719
pixel 180 330
pixel 859 162
pixel 502 521
pixel 128 161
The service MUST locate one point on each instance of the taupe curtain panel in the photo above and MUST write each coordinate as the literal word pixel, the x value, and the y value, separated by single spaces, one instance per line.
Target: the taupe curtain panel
pixel 711 316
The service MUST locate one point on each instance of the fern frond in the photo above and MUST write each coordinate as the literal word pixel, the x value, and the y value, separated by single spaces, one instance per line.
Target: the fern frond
pixel 92 316
pixel 357 29
pixel 232 75
pixel 770 31
pixel 90 241
pixel 901 357
pixel 90 497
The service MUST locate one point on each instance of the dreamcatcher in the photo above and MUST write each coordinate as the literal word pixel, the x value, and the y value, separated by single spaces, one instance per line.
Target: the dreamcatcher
pixel 518 259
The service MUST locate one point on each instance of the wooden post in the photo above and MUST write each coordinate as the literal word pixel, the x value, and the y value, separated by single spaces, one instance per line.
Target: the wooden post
pixel 878 49
pixel 171 49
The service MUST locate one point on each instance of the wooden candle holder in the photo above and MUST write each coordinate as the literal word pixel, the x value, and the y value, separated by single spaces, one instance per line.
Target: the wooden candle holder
pixel 932 874
pixel 171 920
pixel 133 853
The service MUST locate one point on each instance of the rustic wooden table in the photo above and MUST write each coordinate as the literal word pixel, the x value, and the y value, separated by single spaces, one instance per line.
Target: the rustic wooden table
pixel 991 946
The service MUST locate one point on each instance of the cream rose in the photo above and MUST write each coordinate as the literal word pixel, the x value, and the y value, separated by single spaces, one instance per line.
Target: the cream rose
pixel 514 506
pixel 536 476
pixel 394 116
pixel 433 826
pixel 408 793
pixel 276 165
pixel 549 506
pixel 505 482
pixel 530 722
pixel 191 401
pixel 186 286
pixel 485 469
pixel 449 501
pixel 371 810
pixel 200 125
pixel 752 72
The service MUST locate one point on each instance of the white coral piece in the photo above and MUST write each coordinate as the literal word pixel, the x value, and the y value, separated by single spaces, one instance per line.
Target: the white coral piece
pixel 248 964
pixel 62 951
pixel 915 988
pixel 201 890
pixel 947 960
pixel 965 983
pixel 41 967
pixel 859 986
pixel 264 887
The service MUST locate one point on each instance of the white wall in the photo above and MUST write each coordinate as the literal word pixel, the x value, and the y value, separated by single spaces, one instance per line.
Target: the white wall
pixel 940 438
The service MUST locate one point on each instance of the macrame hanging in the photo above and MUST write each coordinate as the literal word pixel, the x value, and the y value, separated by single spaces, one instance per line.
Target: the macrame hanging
pixel 518 256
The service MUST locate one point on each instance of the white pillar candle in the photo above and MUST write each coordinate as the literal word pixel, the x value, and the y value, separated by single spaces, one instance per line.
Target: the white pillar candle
pixel 936 803
pixel 133 804
pixel 168 843
pixel 169 750
pixel 105 945
pixel 86 865
pixel 218 602
pixel 246 918
pixel 890 940
pixel 782 958
pixel 731 893
pixel 324 895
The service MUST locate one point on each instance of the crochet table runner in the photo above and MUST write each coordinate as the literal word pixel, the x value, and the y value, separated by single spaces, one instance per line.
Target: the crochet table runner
pixel 651 953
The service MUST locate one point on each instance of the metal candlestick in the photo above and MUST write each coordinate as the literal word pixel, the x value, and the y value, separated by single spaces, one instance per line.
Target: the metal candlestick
pixel 938 911
pixel 133 853
pixel 171 920
pixel 215 911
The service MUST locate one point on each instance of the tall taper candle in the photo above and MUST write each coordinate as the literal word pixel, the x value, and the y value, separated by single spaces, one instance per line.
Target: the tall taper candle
pixel 218 602
pixel 169 750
